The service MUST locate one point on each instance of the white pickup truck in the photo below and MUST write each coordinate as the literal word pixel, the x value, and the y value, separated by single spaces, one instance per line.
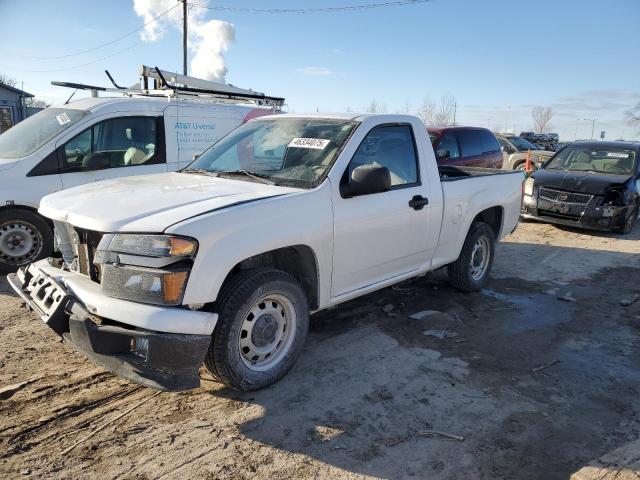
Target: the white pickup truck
pixel 223 261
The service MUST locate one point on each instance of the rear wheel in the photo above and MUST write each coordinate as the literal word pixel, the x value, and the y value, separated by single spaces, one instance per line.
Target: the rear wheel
pixel 471 270
pixel 262 326
pixel 25 237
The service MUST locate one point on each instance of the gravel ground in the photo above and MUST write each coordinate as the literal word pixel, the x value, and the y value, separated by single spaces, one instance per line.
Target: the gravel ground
pixel 369 383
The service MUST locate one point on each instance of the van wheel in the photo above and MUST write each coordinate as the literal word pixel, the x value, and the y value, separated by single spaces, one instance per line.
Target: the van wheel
pixel 470 271
pixel 263 320
pixel 24 238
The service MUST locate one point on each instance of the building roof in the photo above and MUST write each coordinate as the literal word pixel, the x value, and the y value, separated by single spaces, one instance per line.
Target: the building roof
pixel 15 90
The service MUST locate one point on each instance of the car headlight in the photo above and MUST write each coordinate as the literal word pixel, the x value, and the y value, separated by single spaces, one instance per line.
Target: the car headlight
pixel 145 268
pixel 528 186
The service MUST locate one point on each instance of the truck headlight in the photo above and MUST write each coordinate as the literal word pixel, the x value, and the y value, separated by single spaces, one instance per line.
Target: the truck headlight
pixel 153 245
pixel 528 187
pixel 145 268
pixel 146 285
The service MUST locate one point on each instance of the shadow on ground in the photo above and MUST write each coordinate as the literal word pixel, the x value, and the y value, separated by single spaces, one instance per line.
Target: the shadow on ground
pixel 536 385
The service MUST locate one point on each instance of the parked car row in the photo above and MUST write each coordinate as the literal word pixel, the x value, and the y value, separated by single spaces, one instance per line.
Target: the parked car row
pixel 544 141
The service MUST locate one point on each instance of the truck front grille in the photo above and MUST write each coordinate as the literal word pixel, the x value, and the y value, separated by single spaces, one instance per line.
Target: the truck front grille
pixel 78 247
pixel 564 197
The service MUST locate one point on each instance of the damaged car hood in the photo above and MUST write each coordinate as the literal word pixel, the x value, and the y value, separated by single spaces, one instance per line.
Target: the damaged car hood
pixel 151 203
pixel 593 183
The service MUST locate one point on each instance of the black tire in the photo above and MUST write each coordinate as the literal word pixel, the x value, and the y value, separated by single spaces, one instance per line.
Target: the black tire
pixel 224 358
pixel 32 224
pixel 460 271
pixel 628 227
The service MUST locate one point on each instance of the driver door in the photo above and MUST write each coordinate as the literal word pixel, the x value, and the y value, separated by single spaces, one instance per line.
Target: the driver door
pixel 380 236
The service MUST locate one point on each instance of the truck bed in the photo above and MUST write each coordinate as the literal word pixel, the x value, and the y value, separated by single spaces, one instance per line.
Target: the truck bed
pixel 449 173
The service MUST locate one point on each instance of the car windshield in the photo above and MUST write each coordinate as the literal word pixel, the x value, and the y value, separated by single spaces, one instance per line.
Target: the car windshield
pixel 285 151
pixel 522 144
pixel 433 137
pixel 616 161
pixel 29 135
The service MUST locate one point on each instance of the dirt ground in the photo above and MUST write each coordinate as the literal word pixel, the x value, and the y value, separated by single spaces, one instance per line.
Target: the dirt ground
pixel 369 383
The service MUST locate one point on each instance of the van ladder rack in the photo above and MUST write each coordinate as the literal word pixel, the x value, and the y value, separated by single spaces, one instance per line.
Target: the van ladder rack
pixel 181 86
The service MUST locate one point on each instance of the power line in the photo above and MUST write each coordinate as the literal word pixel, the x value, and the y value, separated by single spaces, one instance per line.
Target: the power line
pixel 99 46
pixel 346 8
pixel 93 61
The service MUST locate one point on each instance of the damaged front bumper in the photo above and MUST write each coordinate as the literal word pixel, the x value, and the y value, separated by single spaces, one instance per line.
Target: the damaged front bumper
pixel 72 306
pixel 603 218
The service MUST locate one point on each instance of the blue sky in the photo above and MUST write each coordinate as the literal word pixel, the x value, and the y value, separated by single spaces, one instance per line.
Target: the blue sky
pixel 498 58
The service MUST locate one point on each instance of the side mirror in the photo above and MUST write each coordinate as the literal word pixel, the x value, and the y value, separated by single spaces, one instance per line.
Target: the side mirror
pixel 365 180
pixel 96 161
pixel 443 154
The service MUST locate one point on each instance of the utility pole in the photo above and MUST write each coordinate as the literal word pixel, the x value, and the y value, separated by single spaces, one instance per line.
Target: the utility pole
pixel 184 37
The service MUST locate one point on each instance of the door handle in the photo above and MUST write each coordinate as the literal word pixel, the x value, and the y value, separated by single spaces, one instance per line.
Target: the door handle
pixel 418 202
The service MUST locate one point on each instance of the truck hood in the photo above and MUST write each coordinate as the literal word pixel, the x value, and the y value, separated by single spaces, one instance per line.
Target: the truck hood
pixel 7 163
pixel 579 181
pixel 151 203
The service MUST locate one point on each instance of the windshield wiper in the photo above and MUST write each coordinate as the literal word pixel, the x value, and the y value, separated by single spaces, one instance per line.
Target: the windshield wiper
pixel 258 176
pixel 199 170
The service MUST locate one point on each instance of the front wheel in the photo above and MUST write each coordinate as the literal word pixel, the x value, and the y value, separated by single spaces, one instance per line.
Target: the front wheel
pixel 25 237
pixel 628 227
pixel 470 271
pixel 262 326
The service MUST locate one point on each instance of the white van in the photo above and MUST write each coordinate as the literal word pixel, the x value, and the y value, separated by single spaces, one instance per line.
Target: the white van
pixel 94 139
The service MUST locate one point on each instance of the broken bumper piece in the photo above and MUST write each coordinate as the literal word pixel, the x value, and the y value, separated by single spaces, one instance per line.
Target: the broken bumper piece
pixel 161 360
pixel 604 218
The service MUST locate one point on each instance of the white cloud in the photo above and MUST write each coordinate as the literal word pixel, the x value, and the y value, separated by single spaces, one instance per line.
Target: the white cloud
pixel 316 71
pixel 208 39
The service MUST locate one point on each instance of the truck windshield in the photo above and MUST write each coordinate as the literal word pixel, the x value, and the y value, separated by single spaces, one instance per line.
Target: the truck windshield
pixel 615 161
pixel 31 134
pixel 286 151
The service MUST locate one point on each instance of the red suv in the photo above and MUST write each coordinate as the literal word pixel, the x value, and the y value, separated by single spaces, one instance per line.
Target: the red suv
pixel 465 146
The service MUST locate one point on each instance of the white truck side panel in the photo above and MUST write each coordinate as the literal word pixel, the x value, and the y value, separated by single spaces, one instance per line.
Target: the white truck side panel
pixel 460 208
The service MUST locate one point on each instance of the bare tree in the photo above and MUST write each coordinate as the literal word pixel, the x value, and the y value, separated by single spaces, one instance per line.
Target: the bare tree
pixel 373 107
pixel 445 114
pixel 542 118
pixel 426 112
pixel 12 82
pixel 35 103
pixel 633 115
pixel 376 107
pixel 405 109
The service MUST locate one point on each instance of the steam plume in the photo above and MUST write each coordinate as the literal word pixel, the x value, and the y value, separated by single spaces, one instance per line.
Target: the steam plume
pixel 208 39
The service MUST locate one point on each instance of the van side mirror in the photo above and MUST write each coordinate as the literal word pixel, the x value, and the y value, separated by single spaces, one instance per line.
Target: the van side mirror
pixel 96 161
pixel 365 180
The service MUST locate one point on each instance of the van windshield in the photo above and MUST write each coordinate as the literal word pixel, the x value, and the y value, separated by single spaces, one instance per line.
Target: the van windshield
pixel 286 151
pixel 29 135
